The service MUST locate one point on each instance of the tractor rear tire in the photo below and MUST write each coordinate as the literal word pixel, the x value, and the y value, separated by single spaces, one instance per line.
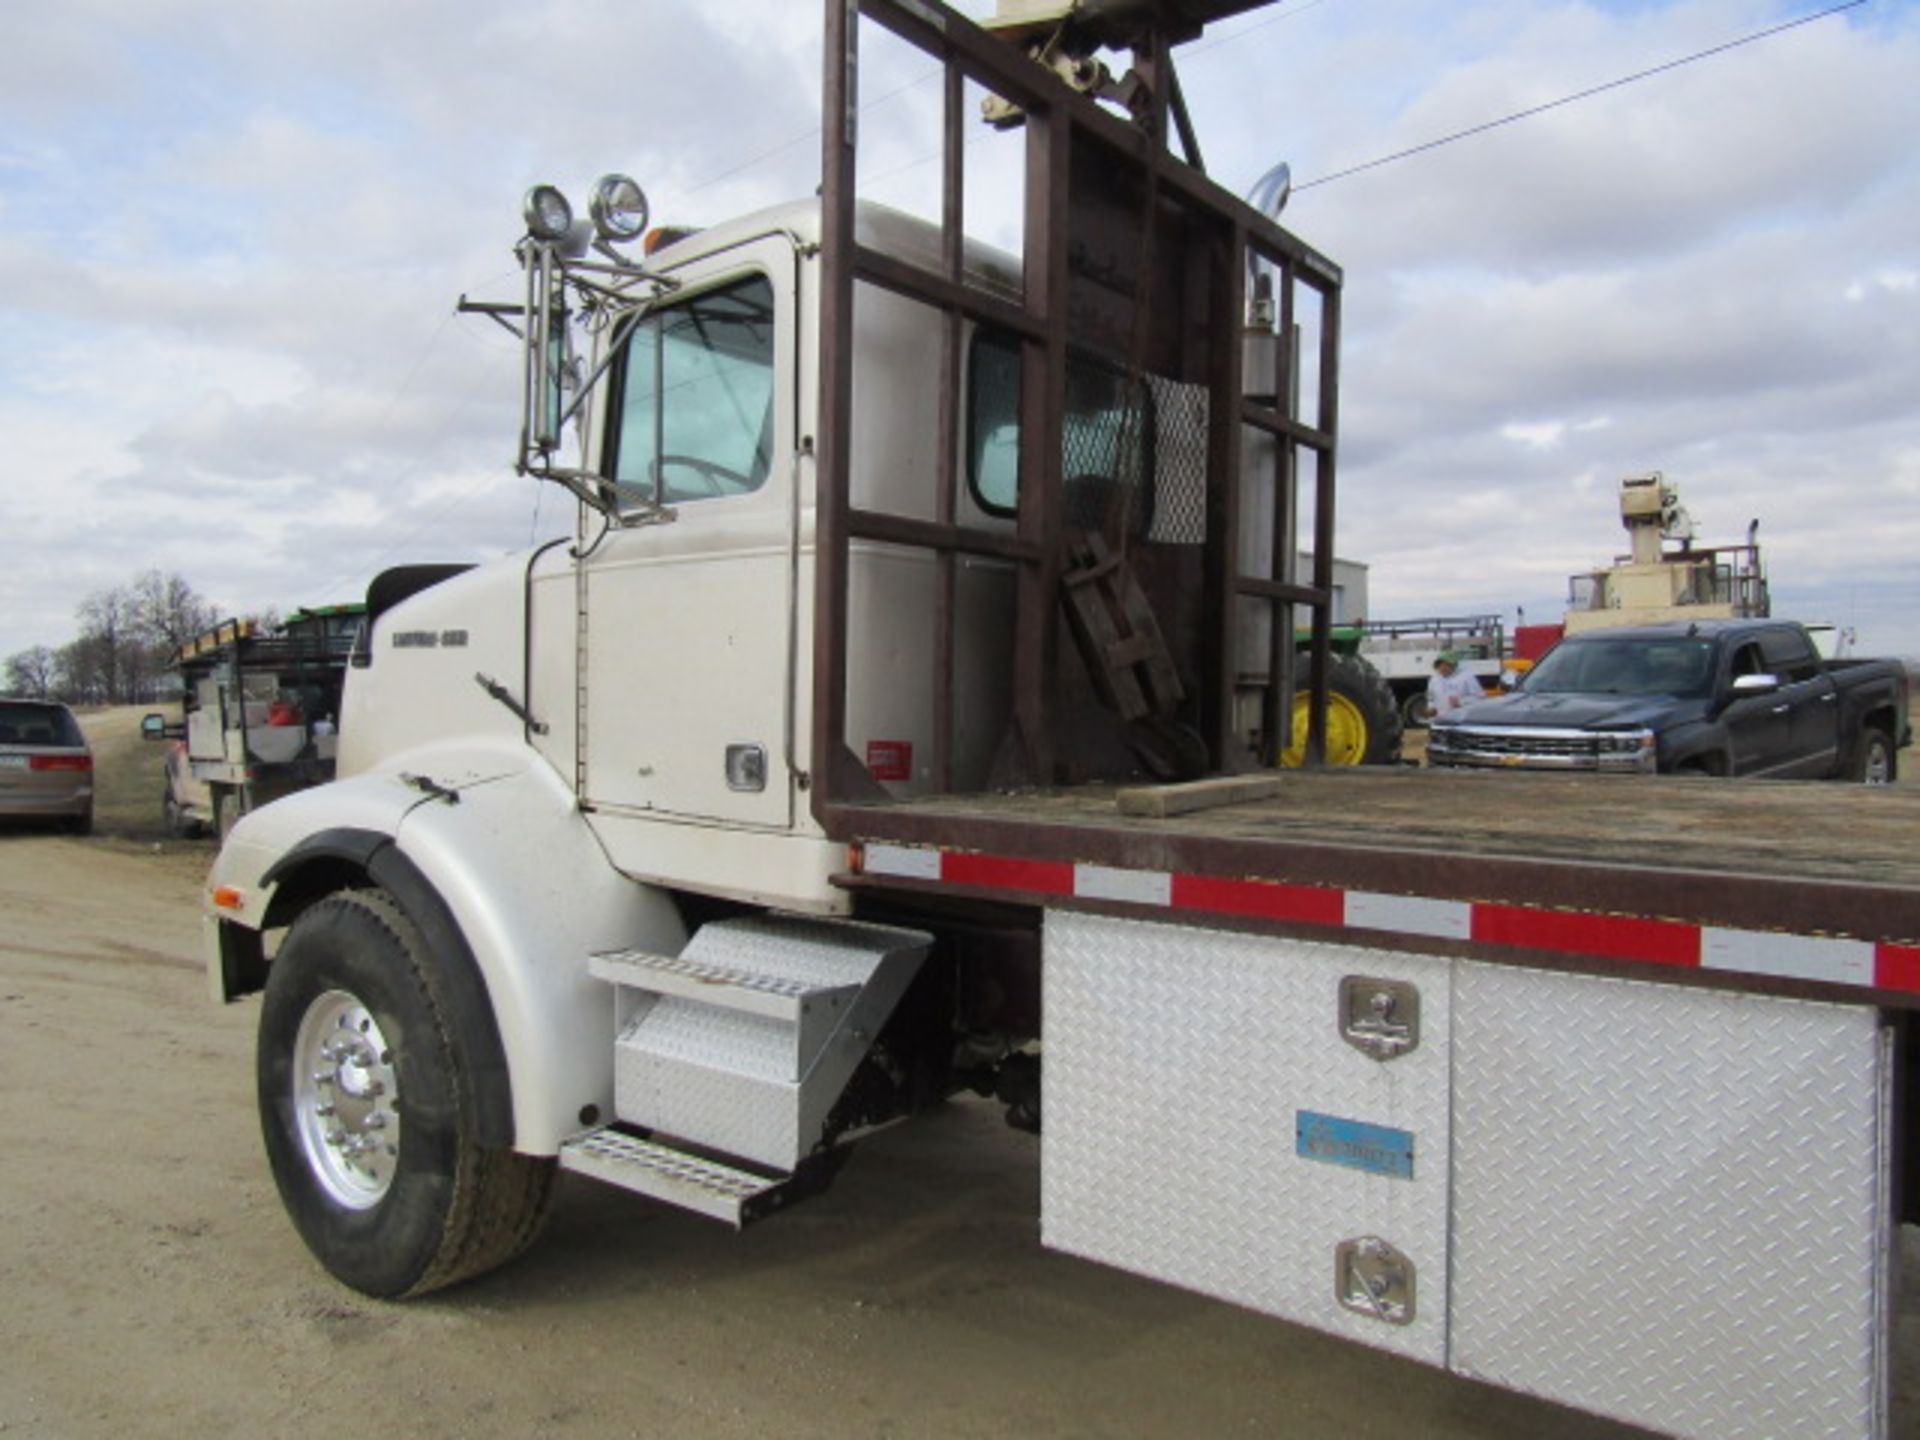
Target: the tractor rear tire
pixel 1364 724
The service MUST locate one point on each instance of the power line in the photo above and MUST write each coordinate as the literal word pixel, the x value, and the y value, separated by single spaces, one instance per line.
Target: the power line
pixel 806 135
pixel 1195 51
pixel 1588 93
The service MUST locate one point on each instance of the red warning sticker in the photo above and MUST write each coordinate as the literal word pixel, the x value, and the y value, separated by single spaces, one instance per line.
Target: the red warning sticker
pixel 890 759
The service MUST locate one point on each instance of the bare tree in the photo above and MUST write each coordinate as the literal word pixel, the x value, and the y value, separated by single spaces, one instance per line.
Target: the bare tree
pixel 85 671
pixel 128 635
pixel 167 612
pixel 30 673
pixel 105 653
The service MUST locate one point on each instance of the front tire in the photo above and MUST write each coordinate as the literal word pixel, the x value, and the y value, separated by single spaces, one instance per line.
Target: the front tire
pixel 368 1120
pixel 179 824
pixel 1872 760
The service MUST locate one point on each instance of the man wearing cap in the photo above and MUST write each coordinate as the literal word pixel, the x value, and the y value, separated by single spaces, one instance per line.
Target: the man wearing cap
pixel 1450 689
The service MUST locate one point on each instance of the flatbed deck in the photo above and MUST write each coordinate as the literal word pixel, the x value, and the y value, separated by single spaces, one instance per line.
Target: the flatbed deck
pixel 1652 868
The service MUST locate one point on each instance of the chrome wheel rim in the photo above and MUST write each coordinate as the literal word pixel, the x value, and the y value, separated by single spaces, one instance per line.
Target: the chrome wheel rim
pixel 346 1100
pixel 1879 766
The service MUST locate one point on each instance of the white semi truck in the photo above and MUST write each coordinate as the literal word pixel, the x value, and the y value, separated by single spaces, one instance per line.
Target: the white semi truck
pixel 795 790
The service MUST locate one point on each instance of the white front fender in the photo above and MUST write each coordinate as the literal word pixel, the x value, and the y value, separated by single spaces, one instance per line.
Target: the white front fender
pixel 534 895
pixel 530 890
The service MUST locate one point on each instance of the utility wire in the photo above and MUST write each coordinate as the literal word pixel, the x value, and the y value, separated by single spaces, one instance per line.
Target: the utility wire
pixel 1195 51
pixel 807 135
pixel 1579 95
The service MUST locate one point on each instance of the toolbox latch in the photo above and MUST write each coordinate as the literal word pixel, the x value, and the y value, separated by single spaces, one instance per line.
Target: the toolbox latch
pixel 1380 1018
pixel 1374 1279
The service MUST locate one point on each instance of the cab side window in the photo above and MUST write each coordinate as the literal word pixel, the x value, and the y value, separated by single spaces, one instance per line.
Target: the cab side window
pixel 1108 435
pixel 1746 661
pixel 1789 655
pixel 692 399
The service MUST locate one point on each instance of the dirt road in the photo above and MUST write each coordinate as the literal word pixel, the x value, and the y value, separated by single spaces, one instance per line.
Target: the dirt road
pixel 153 1287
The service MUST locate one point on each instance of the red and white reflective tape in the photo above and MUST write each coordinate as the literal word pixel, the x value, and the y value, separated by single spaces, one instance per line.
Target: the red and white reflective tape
pixel 1675 943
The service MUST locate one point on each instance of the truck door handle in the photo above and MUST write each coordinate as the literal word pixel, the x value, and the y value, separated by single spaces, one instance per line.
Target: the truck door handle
pixel 1781 709
pixel 1828 698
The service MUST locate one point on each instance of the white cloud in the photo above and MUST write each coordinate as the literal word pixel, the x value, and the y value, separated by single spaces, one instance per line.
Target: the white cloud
pixel 1543 435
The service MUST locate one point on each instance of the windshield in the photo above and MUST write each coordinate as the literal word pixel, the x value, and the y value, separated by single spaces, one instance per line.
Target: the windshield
pixel 1681 667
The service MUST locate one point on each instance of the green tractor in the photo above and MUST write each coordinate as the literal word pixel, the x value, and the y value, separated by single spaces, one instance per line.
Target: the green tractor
pixel 1364 723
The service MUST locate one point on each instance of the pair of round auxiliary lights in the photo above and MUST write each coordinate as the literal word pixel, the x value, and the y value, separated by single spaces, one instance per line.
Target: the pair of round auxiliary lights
pixel 617 207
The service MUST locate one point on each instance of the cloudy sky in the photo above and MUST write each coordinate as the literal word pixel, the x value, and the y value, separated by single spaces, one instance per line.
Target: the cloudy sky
pixel 231 238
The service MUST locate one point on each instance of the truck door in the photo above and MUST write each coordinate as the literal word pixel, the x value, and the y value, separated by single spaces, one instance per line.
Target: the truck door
pixel 687 618
pixel 1759 727
pixel 1812 698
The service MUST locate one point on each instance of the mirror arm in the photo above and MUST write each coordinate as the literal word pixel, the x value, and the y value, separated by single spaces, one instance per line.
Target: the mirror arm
pixel 586 387
pixel 496 311
pixel 589 489
pixel 626 273
pixel 596 492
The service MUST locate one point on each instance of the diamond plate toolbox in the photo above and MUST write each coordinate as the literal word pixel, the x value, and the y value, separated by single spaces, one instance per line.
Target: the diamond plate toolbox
pixel 1667 1203
pixel 1209 1124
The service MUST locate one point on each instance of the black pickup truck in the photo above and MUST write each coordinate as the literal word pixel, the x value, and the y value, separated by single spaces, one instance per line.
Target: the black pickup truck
pixel 1710 697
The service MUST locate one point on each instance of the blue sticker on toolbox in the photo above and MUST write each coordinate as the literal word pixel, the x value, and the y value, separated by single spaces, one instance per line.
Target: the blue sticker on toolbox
pixel 1353 1143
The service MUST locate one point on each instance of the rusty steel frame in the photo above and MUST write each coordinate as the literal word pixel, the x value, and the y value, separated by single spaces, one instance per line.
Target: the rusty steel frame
pixel 842 793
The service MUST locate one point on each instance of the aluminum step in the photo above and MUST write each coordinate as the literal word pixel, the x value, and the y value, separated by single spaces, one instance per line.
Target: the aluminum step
pixel 712 982
pixel 687 1182
pixel 741 1044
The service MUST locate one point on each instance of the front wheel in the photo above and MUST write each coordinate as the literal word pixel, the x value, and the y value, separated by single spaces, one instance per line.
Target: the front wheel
pixel 367 1117
pixel 1872 761
pixel 179 824
pixel 1363 718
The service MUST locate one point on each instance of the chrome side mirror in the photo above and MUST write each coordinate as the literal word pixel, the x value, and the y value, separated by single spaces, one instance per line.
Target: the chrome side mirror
pixel 1746 687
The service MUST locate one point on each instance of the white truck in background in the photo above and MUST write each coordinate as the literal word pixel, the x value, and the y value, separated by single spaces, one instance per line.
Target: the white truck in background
pixel 792 791
pixel 1404 652
pixel 259 707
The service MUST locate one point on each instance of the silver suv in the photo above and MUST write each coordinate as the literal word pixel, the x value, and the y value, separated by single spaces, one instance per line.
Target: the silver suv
pixel 46 769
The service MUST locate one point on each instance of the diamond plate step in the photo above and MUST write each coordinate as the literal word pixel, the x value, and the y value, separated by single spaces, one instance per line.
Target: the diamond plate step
pixel 742 1044
pixel 712 982
pixel 688 1182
